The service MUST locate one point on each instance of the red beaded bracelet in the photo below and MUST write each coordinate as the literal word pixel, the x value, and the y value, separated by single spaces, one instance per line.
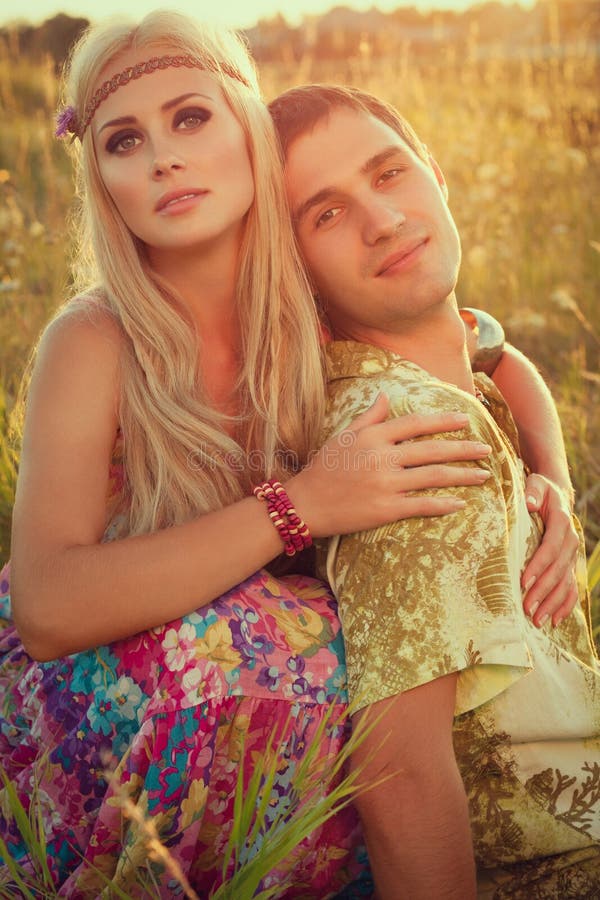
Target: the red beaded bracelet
pixel 293 531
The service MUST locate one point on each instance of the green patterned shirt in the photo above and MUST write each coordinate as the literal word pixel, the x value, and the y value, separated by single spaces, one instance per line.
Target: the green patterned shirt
pixel 425 597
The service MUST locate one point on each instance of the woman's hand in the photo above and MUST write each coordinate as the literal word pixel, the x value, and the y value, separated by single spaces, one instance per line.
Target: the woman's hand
pixel 549 578
pixel 363 476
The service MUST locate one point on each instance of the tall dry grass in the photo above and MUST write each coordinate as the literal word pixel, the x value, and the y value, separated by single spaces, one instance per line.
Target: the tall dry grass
pixel 519 142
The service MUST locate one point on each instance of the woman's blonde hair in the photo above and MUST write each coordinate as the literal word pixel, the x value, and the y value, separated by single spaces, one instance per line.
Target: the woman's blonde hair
pixel 179 460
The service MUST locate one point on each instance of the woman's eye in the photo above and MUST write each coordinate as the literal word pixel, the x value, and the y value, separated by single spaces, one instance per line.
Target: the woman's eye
pixel 328 215
pixel 191 118
pixel 122 142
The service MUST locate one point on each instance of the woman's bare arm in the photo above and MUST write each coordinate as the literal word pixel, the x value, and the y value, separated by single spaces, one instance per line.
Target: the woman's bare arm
pixel 549 578
pixel 71 592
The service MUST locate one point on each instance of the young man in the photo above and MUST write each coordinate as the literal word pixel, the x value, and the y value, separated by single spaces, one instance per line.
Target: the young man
pixel 488 728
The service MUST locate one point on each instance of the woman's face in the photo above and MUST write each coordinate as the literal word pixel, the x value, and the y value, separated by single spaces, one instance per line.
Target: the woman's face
pixel 174 159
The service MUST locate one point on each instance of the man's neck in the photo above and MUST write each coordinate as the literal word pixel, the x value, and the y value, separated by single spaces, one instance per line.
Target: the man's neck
pixel 435 341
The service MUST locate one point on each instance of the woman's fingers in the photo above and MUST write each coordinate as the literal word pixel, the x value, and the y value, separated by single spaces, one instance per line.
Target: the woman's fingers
pixel 439 476
pixel 557 601
pixel 430 452
pixel 377 413
pixel 549 577
pixel 412 425
pixel 406 507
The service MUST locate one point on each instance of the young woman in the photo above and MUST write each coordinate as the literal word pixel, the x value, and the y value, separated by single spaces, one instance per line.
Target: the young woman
pixel 186 373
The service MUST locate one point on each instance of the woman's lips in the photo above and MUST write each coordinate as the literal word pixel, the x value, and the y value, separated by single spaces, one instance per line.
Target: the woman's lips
pixel 179 201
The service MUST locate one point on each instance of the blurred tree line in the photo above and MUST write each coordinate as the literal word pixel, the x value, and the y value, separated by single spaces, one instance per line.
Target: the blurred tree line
pixel 343 33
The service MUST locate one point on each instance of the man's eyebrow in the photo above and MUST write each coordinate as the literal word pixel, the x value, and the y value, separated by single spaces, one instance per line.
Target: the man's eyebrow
pixel 131 120
pixel 381 157
pixel 314 200
pixel 325 193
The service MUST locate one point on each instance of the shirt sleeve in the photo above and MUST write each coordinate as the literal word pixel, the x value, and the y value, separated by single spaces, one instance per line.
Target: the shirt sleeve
pixel 424 597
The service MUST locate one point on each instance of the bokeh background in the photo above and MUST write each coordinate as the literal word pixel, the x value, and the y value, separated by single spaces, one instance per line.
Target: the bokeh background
pixel 506 97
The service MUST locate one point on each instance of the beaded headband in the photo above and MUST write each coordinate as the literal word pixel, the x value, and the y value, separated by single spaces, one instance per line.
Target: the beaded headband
pixel 67 120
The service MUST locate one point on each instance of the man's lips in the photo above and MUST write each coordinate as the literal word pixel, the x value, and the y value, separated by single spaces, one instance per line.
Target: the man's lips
pixel 172 198
pixel 403 257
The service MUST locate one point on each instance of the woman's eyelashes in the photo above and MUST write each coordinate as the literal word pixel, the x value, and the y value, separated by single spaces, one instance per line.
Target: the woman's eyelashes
pixel 122 141
pixel 191 117
pixel 187 119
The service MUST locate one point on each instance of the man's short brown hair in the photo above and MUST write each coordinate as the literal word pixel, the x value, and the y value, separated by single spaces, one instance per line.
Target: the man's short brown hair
pixel 298 110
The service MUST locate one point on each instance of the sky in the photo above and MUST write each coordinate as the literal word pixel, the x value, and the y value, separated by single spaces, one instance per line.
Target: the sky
pixel 233 13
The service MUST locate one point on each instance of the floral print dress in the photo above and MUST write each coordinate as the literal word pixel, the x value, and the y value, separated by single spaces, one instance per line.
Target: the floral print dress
pixel 172 713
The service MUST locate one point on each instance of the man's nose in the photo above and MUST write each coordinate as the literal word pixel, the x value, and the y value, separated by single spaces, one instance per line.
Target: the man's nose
pixel 381 220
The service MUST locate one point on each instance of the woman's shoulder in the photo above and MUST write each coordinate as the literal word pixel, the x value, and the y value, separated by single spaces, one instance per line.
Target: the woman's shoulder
pixel 86 328
pixel 82 345
pixel 88 312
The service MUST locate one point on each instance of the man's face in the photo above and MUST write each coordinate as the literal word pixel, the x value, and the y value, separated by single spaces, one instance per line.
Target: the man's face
pixel 372 223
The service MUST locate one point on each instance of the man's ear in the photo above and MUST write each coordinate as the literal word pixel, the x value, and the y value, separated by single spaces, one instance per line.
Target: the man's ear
pixel 439 175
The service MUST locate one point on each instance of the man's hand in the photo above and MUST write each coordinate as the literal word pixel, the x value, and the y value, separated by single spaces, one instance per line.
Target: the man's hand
pixel 549 578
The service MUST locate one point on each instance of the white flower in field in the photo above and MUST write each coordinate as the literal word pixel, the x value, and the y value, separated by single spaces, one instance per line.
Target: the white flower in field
pixel 539 112
pixel 577 158
pixel 526 320
pixel 488 171
pixel 36 229
pixel 477 256
pixel 560 229
pixel 12 247
pixel 563 299
pixel 9 284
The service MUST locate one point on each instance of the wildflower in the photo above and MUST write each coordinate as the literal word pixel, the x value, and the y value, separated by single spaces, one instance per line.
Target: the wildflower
pixel 539 112
pixel 36 229
pixel 4 176
pixel 526 320
pixel 12 247
pixel 487 171
pixel 9 284
pixel 563 299
pixel 576 158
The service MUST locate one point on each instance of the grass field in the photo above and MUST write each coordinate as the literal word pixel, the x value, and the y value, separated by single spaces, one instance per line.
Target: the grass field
pixel 519 142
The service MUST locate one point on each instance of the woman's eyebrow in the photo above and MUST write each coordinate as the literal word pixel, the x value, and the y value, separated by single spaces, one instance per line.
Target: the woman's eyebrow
pixel 131 120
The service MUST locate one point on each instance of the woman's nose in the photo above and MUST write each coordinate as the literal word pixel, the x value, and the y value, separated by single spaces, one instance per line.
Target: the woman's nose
pixel 164 162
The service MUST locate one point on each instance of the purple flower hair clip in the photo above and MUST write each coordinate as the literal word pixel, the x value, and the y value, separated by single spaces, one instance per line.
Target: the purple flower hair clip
pixel 66 122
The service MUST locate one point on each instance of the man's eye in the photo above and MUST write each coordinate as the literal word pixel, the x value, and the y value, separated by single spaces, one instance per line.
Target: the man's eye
pixel 191 118
pixel 328 215
pixel 121 142
pixel 389 174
